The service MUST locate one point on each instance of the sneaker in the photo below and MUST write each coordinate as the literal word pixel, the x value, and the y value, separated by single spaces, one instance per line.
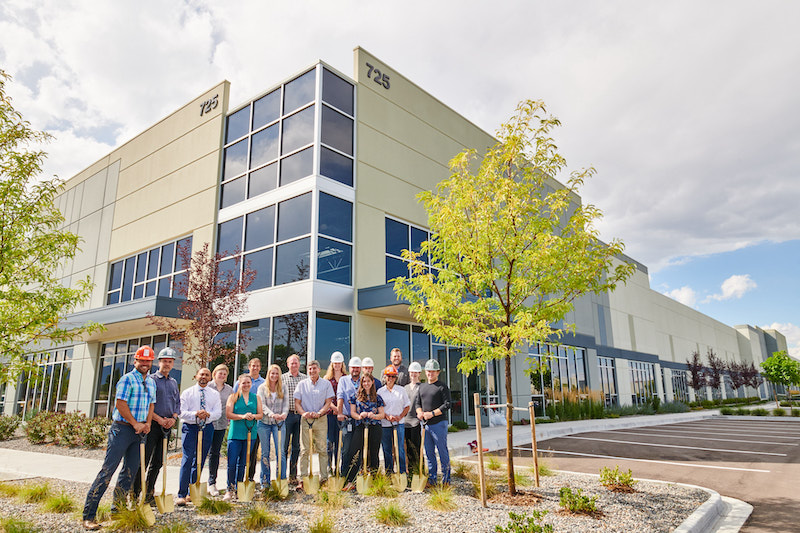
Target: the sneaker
pixel 180 502
pixel 188 498
pixel 227 497
pixel 349 487
pixel 91 525
pixel 293 481
pixel 212 490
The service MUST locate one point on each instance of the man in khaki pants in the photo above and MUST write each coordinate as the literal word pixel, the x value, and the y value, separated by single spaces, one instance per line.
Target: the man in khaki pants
pixel 312 399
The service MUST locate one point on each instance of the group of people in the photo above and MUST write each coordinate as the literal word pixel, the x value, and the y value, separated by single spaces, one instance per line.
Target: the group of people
pixel 292 413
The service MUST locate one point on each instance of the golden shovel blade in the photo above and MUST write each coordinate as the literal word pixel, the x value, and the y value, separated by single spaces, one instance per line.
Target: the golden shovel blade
pixel 398 482
pixel 147 513
pixel 165 503
pixel 245 490
pixel 335 483
pixel 311 485
pixel 198 492
pixel 363 483
pixel 281 486
pixel 418 483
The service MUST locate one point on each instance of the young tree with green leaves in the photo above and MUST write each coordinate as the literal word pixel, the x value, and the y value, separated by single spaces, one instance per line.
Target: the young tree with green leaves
pixel 781 369
pixel 512 249
pixel 33 243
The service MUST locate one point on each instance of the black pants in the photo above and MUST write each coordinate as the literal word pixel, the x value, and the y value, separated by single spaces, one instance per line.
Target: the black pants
pixel 213 455
pixel 291 438
pixel 153 460
pixel 251 472
pixel 374 434
pixel 413 441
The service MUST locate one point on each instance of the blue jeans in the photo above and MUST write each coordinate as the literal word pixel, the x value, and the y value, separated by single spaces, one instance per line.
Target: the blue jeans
pixel 213 457
pixel 189 462
pixel 436 438
pixel 292 428
pixel 267 434
pixel 333 442
pixel 387 442
pixel 123 445
pixel 237 460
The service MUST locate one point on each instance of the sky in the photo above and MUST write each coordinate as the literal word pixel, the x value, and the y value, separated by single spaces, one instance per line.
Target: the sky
pixel 689 111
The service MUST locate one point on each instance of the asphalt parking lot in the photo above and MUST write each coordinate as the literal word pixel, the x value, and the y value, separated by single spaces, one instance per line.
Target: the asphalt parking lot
pixel 754 460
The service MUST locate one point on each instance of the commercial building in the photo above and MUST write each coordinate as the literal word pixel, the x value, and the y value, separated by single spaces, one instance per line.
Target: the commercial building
pixel 314 182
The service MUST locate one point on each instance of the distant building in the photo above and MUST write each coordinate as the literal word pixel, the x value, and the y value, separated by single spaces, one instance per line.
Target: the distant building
pixel 314 182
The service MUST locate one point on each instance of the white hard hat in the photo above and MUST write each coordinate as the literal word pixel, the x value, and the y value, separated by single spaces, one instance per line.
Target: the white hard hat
pixel 167 353
pixel 368 362
pixel 337 357
pixel 414 367
pixel 432 364
pixel 355 362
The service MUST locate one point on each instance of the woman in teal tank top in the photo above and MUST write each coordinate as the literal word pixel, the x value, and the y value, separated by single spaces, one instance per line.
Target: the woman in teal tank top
pixel 243 410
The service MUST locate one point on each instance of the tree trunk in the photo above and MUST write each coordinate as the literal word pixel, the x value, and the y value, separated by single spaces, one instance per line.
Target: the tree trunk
pixel 512 488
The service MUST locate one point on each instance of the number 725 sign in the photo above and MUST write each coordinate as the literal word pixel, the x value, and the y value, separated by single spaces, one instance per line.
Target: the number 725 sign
pixel 381 78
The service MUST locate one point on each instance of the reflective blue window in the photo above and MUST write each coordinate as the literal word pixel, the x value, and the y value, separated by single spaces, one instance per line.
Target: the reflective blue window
pixel 164 286
pixel 238 124
pixel 297 166
pixel 397 336
pixel 263 180
pixel 334 261
pixel 337 91
pixel 337 130
pixel 298 130
pixel 150 288
pixel 167 255
pixel 396 237
pixel 294 217
pixel 184 246
pixel 261 263
pixel 267 109
pixel 141 265
pixel 289 336
pixel 335 217
pixel 292 261
pixel 260 228
pixel 418 236
pixel 115 279
pixel 395 268
pixel 152 266
pixel 229 236
pixel 332 334
pixel 336 166
pixel 232 192
pixel 299 91
pixel 235 160
pixel 421 345
pixel 228 271
pixel 264 146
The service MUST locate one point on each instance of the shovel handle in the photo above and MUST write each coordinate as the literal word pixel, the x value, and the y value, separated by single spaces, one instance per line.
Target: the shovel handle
pixel 364 454
pixel 141 468
pixel 164 461
pixel 422 449
pixel 199 452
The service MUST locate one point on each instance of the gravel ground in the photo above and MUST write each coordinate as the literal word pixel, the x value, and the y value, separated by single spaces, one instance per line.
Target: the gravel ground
pixel 655 507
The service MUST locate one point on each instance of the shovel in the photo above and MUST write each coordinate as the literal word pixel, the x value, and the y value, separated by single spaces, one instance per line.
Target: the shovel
pixel 336 481
pixel 144 507
pixel 363 482
pixel 280 485
pixel 199 491
pixel 246 488
pixel 398 480
pixel 164 502
pixel 311 482
pixel 419 481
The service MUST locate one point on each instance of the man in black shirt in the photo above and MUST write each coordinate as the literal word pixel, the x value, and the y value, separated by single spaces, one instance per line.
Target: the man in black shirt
pixel 431 405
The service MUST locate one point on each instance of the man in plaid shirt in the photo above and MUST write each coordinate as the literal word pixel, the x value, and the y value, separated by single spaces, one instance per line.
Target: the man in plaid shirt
pixel 133 412
pixel 292 425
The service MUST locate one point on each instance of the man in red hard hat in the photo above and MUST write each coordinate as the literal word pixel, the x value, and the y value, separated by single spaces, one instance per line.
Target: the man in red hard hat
pixel 133 412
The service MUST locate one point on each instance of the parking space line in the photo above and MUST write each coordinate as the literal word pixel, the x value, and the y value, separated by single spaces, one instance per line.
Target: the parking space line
pixel 626 432
pixel 692 465
pixel 734 434
pixel 756 427
pixel 673 446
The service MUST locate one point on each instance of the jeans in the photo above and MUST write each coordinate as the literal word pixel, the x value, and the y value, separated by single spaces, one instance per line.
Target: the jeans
pixel 153 460
pixel 350 457
pixel 213 456
pixel 333 442
pixel 412 448
pixel 123 445
pixel 237 460
pixel 269 434
pixel 387 443
pixel 292 427
pixel 436 438
pixel 189 461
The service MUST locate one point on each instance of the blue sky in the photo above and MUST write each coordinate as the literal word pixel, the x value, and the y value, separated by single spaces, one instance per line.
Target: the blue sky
pixel 688 110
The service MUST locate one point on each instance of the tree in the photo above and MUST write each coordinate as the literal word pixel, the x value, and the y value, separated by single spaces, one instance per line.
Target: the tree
pixel 714 375
pixel 33 244
pixel 697 372
pixel 216 297
pixel 752 376
pixel 738 373
pixel 510 250
pixel 781 369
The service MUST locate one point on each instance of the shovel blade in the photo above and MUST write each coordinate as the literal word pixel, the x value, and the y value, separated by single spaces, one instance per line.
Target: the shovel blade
pixel 198 492
pixel 147 514
pixel 311 485
pixel 245 491
pixel 398 482
pixel 418 483
pixel 335 483
pixel 363 484
pixel 281 486
pixel 165 503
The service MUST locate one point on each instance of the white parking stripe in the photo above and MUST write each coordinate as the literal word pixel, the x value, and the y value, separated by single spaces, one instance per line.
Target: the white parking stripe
pixel 755 425
pixel 673 446
pixel 626 432
pixel 695 432
pixel 692 465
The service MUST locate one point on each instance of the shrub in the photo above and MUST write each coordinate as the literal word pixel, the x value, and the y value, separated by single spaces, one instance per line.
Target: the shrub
pixel 103 512
pixel 332 499
pixel 270 494
pixel 673 407
pixel 441 499
pixel 93 431
pixel 759 412
pixel 726 411
pixel 521 523
pixel 381 486
pixel 779 412
pixel 63 503
pixel 35 428
pixel 741 411
pixel 67 429
pixel 259 518
pixel 576 502
pixel 452 429
pixel 9 490
pixel 544 469
pixel 174 527
pixel 461 425
pixel 323 524
pixel 521 479
pixel 493 464
pixel 126 519
pixel 8 425
pixel 617 481
pixel 392 515
pixel 795 412
pixel 211 506
pixel 34 493
pixel 16 525
pixel 461 469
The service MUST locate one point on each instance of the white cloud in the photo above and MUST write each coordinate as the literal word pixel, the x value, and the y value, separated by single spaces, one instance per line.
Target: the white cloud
pixel 792 334
pixel 684 295
pixel 733 288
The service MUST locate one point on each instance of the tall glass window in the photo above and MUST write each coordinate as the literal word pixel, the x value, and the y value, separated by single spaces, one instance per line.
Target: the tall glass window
pixel 46 390
pixel 334 245
pixel 332 333
pixel 680 386
pixel 608 380
pixel 156 271
pixel 643 382
pixel 401 236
